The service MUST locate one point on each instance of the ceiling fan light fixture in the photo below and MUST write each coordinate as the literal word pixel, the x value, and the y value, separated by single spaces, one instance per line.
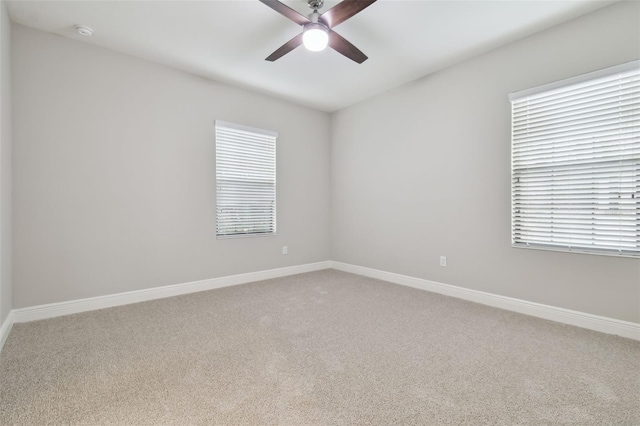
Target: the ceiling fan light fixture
pixel 317 28
pixel 315 37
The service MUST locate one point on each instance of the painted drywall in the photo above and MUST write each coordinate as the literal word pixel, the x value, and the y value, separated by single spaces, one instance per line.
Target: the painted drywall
pixel 424 171
pixel 114 174
pixel 5 165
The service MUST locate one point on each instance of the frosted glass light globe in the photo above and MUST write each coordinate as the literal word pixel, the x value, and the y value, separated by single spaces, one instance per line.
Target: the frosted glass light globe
pixel 315 38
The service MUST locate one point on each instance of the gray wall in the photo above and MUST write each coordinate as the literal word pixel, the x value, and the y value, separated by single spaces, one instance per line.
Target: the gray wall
pixel 424 171
pixel 114 174
pixel 114 178
pixel 5 164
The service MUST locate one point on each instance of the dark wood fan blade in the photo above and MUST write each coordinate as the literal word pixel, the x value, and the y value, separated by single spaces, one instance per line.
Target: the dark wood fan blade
pixel 285 48
pixel 341 45
pixel 343 11
pixel 286 11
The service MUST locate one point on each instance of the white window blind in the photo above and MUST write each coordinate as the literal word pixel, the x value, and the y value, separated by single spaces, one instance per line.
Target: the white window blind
pixel 576 164
pixel 245 181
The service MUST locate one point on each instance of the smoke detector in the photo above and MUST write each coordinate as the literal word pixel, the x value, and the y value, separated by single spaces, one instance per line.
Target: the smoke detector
pixel 84 31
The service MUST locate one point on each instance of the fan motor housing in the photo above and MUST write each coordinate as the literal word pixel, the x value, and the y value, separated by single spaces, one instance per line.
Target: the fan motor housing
pixel 315 4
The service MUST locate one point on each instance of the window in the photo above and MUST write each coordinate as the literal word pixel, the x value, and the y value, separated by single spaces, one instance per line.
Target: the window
pixel 575 164
pixel 245 181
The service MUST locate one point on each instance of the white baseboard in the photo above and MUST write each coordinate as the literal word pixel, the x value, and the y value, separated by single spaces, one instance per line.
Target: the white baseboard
pixel 82 305
pixel 592 322
pixel 607 325
pixel 5 329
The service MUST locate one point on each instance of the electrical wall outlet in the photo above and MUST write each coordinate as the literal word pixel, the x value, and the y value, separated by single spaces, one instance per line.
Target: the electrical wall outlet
pixel 443 260
pixel 285 250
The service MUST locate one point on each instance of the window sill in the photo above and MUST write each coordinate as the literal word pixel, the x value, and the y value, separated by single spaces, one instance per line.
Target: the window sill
pixel 576 251
pixel 234 236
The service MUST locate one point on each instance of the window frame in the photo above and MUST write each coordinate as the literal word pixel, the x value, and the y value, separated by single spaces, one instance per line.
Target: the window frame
pixel 258 133
pixel 517 241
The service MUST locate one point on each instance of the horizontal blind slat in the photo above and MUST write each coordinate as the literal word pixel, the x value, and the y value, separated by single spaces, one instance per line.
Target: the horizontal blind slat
pixel 526 118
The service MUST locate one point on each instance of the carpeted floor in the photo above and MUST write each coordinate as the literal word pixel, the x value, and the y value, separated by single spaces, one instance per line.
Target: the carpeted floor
pixel 326 348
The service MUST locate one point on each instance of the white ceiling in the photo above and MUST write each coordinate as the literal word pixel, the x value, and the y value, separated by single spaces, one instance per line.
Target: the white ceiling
pixel 227 40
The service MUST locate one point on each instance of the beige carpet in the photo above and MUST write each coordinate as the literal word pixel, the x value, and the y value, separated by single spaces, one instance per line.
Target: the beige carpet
pixel 324 348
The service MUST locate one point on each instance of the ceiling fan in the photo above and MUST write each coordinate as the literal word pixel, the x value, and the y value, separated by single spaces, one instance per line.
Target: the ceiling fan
pixel 317 29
